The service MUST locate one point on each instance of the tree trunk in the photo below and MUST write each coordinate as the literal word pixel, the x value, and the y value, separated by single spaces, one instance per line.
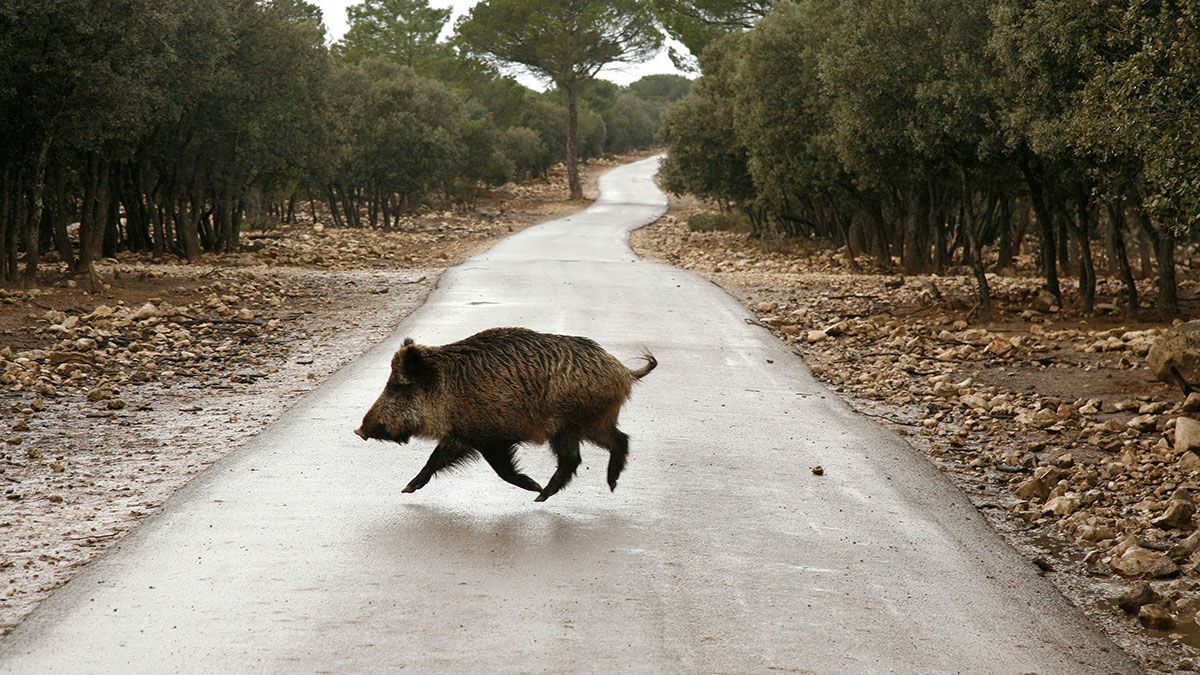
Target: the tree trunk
pixel 845 222
pixel 10 224
pixel 58 217
pixel 1046 227
pixel 37 207
pixel 937 220
pixel 1116 223
pixel 1004 234
pixel 914 255
pixel 969 224
pixel 1146 267
pixel 187 230
pixel 95 219
pixel 1168 296
pixel 331 197
pixel 1164 253
pixel 573 141
pixel 1087 269
pixel 112 223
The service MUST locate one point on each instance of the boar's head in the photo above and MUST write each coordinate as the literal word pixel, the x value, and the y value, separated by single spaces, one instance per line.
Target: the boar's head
pixel 400 411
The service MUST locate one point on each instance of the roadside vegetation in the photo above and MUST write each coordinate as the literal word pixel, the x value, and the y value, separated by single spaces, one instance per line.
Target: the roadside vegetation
pixel 172 127
pixel 931 134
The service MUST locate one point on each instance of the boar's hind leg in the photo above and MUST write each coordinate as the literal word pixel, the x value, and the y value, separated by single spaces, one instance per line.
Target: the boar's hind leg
pixel 566 449
pixel 445 455
pixel 617 444
pixel 500 457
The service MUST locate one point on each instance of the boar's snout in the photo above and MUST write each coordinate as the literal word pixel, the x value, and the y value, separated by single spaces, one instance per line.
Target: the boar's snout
pixel 373 429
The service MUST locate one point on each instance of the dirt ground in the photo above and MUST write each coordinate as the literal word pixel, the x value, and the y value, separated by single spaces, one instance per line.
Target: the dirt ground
pixel 1048 419
pixel 114 400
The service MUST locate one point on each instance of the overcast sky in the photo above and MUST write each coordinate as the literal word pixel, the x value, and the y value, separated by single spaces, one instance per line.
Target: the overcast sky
pixel 335 21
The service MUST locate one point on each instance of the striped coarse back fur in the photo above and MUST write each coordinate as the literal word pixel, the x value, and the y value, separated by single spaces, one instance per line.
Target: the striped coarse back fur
pixel 505 386
pixel 511 376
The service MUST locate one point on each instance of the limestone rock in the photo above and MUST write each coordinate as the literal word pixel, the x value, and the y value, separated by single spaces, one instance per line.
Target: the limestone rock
pixel 1142 422
pixel 1138 561
pixel 1156 617
pixel 1187 434
pixel 1064 505
pixel 1189 462
pixel 1192 402
pixel 1175 356
pixel 1178 515
pixel 1139 595
pixel 1043 481
pixel 146 311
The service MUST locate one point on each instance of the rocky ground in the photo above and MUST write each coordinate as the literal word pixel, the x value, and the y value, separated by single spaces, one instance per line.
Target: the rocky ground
pixel 111 401
pixel 1048 419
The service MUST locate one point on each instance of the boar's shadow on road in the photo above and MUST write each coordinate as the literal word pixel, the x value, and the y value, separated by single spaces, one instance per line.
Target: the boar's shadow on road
pixel 469 533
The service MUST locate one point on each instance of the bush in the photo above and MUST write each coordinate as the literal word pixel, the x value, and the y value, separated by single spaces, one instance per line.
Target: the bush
pixel 711 222
pixel 525 150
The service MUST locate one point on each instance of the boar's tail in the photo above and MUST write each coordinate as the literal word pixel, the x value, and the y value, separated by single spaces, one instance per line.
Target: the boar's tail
pixel 651 364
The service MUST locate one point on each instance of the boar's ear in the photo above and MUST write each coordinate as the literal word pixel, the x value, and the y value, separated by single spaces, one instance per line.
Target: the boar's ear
pixel 408 341
pixel 415 364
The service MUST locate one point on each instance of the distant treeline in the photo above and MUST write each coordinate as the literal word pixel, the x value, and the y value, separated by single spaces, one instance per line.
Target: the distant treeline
pixel 953 131
pixel 168 125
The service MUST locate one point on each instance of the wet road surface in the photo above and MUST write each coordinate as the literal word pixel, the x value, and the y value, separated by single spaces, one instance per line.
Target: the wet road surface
pixel 719 551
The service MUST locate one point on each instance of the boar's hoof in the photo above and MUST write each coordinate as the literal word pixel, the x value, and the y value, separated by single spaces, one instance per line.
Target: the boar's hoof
pixel 542 498
pixel 360 433
pixel 612 486
pixel 409 489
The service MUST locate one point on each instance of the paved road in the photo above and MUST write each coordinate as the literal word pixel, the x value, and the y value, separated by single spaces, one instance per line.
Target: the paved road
pixel 720 551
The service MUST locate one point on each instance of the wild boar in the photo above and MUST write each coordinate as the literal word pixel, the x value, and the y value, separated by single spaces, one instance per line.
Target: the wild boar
pixel 501 387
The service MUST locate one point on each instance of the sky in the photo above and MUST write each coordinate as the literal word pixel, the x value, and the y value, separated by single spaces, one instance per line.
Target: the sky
pixel 335 21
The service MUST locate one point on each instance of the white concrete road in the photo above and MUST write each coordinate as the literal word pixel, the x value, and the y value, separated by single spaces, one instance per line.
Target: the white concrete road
pixel 719 552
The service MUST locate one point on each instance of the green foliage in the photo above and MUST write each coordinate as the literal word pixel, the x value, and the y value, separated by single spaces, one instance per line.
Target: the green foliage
pixel 565 43
pixel 403 31
pixel 711 222
pixel 483 160
pixel 1139 107
pixel 705 156
pixel 661 89
pixel 525 149
pixel 395 130
pixel 82 74
pixel 629 123
pixel 916 126
pixel 786 123
pixel 699 23
pixel 161 125
pixel 548 119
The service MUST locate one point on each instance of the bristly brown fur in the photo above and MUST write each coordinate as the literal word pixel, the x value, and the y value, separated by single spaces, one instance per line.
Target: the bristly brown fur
pixel 505 386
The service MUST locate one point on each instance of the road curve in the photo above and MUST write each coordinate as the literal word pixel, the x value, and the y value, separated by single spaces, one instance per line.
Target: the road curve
pixel 719 552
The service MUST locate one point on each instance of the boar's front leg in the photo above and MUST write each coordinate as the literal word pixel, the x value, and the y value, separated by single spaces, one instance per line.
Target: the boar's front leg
pixel 447 453
pixel 500 456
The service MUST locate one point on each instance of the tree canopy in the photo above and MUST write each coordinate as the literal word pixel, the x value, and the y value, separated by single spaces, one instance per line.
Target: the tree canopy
pixel 565 42
pixel 947 132
pixel 168 126
pixel 404 31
